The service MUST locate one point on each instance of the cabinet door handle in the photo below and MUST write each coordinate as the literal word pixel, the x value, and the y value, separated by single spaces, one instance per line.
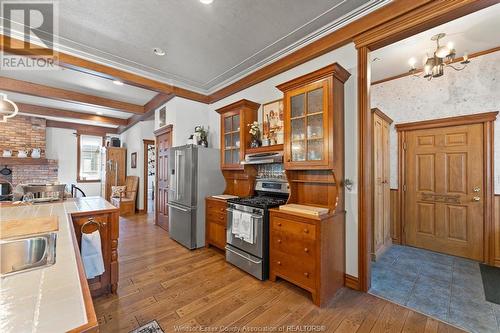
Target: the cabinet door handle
pixel 306 274
pixel 279 224
pixel 279 241
pixel 222 209
pixel 306 231
pixel 306 250
pixel 279 263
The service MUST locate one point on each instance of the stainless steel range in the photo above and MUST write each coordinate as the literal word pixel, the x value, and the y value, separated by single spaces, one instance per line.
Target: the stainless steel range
pixel 250 250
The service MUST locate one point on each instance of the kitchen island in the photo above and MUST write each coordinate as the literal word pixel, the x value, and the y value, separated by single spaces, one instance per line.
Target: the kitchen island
pixel 55 298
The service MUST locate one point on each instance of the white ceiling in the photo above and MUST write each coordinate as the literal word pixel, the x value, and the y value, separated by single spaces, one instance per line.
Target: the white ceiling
pixel 206 45
pixel 476 32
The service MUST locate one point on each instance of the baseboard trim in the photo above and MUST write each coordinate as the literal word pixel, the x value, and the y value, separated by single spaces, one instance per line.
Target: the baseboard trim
pixel 351 282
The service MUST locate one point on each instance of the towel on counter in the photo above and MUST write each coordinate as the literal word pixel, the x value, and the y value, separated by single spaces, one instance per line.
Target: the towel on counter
pixel 235 228
pixel 92 254
pixel 246 227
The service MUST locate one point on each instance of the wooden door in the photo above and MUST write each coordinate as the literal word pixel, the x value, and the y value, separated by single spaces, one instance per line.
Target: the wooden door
pixel 444 190
pixel 163 143
pixel 382 220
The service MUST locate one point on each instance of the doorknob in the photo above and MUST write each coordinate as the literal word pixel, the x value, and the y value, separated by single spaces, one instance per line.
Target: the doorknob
pixel 476 199
pixel 476 189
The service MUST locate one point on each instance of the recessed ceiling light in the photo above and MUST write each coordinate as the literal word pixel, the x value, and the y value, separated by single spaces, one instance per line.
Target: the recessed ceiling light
pixel 118 82
pixel 158 51
pixel 206 2
pixel 99 113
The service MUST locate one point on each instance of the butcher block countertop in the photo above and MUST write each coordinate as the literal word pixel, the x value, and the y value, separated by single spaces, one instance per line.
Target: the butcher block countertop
pixel 54 298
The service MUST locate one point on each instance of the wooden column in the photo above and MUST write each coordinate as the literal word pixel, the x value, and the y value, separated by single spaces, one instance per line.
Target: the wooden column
pixel 365 182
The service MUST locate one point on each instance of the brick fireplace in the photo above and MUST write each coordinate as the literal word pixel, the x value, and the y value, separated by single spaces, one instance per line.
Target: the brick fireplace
pixel 23 132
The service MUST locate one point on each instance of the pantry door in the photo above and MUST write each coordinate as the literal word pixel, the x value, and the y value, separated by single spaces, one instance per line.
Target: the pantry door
pixel 163 144
pixel 444 191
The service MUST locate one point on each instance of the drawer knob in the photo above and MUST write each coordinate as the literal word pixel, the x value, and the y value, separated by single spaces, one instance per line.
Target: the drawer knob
pixel 306 250
pixel 306 231
pixel 222 209
pixel 306 274
pixel 279 241
pixel 221 217
pixel 279 224
pixel 279 262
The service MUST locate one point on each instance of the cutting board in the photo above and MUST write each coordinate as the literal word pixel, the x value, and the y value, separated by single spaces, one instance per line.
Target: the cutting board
pixel 303 209
pixel 28 226
pixel 225 196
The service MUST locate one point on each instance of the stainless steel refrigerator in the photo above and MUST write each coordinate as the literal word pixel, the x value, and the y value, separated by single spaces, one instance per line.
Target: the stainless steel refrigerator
pixel 194 174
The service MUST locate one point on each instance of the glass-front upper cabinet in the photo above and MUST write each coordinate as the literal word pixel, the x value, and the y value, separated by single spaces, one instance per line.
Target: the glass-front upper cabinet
pixel 234 132
pixel 310 117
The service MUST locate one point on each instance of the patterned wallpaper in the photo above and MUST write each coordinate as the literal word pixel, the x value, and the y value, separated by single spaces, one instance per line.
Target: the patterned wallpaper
pixel 476 89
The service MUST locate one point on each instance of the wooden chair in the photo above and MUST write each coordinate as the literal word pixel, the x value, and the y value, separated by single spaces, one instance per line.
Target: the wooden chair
pixel 126 202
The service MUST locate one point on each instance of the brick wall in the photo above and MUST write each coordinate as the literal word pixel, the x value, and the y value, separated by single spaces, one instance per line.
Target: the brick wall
pixel 22 132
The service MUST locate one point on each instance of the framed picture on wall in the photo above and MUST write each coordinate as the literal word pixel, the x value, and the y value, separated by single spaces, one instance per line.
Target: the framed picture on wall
pixel 272 121
pixel 133 160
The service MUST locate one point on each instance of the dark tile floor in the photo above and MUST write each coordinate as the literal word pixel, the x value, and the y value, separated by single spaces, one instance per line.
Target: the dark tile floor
pixel 445 287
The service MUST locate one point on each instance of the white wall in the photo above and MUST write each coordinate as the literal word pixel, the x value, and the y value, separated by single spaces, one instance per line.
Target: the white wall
pixel 132 139
pixel 184 115
pixel 475 89
pixel 61 146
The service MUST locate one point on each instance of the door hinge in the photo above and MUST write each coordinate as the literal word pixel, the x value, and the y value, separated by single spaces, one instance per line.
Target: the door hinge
pixel 405 146
pixel 404 188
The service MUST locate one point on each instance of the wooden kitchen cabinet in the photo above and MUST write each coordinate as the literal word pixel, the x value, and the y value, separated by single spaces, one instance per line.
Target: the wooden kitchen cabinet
pixel 108 229
pixel 313 119
pixel 235 138
pixel 216 222
pixel 308 252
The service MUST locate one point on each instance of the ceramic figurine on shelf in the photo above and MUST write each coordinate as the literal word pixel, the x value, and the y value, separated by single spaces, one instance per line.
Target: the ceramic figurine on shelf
pixel 7 153
pixel 255 133
pixel 22 153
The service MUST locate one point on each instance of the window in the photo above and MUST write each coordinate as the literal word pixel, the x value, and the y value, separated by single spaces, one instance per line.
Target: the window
pixel 89 158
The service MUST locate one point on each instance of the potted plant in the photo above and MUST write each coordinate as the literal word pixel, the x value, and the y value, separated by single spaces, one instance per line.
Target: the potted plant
pixel 201 135
pixel 255 133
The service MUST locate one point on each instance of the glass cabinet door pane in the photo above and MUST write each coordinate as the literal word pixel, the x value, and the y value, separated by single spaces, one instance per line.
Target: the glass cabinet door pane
pixel 236 140
pixel 236 122
pixel 297 105
pixel 315 126
pixel 315 101
pixel 298 129
pixel 227 141
pixel 315 150
pixel 227 156
pixel 227 124
pixel 298 151
pixel 236 156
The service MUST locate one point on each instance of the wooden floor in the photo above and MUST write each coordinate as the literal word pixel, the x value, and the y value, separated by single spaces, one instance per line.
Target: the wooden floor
pixel 161 280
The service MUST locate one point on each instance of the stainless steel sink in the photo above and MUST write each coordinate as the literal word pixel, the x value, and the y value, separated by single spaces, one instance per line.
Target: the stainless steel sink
pixel 24 254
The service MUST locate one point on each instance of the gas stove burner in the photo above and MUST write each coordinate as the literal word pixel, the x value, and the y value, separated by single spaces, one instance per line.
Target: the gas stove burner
pixel 259 201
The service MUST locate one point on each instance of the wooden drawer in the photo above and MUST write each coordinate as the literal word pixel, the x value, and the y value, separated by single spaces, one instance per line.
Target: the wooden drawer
pixel 299 229
pixel 293 245
pixel 217 217
pixel 216 205
pixel 297 270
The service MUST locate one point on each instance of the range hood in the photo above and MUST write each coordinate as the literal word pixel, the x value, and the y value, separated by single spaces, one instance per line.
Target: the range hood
pixel 263 158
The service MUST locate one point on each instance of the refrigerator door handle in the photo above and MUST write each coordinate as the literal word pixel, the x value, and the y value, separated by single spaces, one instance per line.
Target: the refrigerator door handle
pixel 176 180
pixel 177 207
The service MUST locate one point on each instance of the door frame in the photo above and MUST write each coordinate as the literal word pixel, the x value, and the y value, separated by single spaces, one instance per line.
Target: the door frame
pixel 162 130
pixel 146 143
pixel 487 120
pixel 424 17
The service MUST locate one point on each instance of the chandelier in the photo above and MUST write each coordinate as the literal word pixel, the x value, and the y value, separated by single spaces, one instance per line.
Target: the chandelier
pixel 444 56
pixel 5 112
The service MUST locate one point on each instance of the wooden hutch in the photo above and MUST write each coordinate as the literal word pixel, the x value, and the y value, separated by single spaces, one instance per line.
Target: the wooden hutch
pixel 240 179
pixel 309 250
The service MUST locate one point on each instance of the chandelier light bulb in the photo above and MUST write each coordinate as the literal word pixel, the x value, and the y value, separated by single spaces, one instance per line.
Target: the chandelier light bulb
pixel 450 46
pixel 412 61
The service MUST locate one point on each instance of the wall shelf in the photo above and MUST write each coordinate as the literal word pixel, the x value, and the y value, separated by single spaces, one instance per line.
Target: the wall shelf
pixel 11 161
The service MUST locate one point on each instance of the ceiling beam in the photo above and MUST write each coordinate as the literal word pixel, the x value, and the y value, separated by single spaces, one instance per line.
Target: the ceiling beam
pixel 82 128
pixel 16 46
pixel 53 112
pixel 39 90
pixel 150 108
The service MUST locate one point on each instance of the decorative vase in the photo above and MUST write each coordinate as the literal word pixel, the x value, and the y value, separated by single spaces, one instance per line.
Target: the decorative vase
pixel 36 153
pixel 255 143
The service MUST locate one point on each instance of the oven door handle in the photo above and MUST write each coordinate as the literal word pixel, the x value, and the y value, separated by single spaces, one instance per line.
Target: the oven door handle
pixel 239 254
pixel 253 215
